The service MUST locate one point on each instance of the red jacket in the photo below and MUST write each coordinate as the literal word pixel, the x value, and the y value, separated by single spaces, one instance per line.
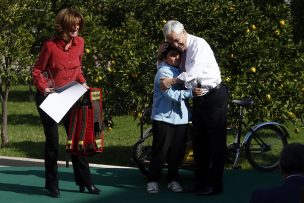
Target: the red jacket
pixel 56 67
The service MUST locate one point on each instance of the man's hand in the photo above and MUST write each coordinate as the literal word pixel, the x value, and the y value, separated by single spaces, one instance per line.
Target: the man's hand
pixel 199 91
pixel 161 49
pixel 166 83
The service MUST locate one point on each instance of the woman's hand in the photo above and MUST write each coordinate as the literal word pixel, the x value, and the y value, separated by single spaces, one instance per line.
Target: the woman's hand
pixel 48 90
pixel 85 85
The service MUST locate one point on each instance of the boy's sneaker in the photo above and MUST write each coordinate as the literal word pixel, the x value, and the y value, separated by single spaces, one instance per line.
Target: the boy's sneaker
pixel 175 186
pixel 152 187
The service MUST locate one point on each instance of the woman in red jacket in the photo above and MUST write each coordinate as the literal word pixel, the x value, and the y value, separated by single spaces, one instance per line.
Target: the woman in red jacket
pixel 58 64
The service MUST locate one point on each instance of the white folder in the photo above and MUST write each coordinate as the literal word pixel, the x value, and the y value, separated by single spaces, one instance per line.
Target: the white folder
pixel 57 104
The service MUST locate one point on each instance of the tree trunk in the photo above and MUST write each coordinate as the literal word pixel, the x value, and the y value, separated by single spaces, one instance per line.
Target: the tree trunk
pixel 4 134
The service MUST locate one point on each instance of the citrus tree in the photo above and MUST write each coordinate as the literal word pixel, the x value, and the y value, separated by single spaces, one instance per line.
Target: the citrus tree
pixel 120 57
pixel 258 57
pixel 22 27
pixel 252 41
pixel 15 45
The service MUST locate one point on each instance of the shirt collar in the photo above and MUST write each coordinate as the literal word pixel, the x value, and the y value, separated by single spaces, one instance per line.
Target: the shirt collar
pixel 188 40
pixel 164 63
pixel 61 44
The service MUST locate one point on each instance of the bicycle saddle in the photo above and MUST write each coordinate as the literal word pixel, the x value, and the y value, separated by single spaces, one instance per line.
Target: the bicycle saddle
pixel 243 102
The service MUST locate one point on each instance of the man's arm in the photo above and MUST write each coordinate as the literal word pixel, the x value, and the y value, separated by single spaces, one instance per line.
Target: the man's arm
pixel 166 83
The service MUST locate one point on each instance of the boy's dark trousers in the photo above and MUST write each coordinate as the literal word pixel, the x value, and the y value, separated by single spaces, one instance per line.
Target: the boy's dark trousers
pixel 168 146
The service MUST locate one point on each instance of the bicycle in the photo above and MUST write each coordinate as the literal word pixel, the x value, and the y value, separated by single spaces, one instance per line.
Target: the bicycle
pixel 262 143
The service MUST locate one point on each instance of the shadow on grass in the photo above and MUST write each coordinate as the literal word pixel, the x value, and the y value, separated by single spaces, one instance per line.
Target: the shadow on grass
pixel 112 155
pixel 20 96
pixel 29 119
pixel 22 189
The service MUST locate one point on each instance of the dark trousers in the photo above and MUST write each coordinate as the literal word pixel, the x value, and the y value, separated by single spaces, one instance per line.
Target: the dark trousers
pixel 168 146
pixel 209 137
pixel 80 164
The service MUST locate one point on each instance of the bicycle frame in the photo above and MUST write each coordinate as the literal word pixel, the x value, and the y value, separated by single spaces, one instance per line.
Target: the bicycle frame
pixel 244 133
pixel 238 146
pixel 251 130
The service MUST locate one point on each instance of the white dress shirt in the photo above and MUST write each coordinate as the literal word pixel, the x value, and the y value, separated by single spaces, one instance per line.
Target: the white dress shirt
pixel 200 65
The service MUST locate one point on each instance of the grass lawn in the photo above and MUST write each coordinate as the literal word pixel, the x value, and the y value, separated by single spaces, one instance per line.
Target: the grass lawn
pixel 27 139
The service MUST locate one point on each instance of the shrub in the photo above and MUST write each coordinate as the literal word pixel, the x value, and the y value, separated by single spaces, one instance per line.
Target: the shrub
pixel 252 41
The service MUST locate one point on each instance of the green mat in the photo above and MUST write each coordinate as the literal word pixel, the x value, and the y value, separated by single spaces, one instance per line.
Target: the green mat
pixel 26 184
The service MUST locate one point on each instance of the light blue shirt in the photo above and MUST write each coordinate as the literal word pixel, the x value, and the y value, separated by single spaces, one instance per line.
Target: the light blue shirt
pixel 169 106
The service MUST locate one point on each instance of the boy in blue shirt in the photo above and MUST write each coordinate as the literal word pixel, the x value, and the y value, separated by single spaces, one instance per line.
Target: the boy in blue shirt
pixel 170 117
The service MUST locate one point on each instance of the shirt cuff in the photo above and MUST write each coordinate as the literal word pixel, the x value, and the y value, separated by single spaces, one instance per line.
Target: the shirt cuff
pixel 185 77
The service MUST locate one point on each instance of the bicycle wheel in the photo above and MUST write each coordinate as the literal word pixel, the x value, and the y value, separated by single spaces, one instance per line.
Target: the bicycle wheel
pixel 142 151
pixel 264 145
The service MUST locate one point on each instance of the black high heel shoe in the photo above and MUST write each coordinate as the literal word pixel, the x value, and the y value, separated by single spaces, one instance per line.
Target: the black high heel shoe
pixel 54 193
pixel 91 188
pixel 81 188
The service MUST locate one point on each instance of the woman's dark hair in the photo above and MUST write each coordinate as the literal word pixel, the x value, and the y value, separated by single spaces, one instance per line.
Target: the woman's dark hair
pixel 65 20
pixel 167 50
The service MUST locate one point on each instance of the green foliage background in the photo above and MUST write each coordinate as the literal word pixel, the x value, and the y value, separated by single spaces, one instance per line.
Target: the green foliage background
pixel 256 43
pixel 244 35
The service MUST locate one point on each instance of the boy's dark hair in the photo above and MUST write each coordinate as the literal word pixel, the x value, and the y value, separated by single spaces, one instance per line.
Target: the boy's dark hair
pixel 167 50
pixel 292 159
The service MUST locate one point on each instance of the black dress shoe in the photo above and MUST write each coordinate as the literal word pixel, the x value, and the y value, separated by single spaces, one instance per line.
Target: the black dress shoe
pixel 91 188
pixel 191 189
pixel 209 191
pixel 54 193
pixel 217 189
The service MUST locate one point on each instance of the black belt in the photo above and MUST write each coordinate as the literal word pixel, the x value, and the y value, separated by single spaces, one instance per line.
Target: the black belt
pixel 211 91
pixel 214 89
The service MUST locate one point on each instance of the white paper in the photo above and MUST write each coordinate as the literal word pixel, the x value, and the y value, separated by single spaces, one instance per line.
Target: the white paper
pixel 57 104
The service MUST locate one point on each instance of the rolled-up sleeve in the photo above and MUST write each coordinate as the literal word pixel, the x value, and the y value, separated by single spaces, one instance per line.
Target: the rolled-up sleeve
pixel 80 77
pixel 40 65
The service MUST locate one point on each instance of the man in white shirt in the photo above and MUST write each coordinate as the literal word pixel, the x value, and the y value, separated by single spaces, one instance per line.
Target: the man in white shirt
pixel 209 108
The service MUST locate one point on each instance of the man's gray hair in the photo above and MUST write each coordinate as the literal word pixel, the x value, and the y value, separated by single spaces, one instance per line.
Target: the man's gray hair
pixel 172 26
